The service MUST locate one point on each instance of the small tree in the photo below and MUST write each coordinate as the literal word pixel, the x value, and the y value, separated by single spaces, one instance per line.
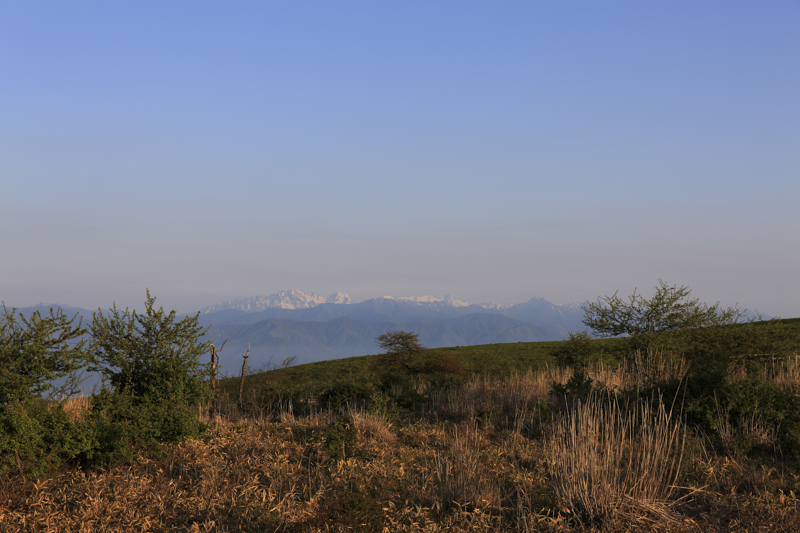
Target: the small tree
pixel 645 320
pixel 40 356
pixel 401 347
pixel 37 351
pixel 151 361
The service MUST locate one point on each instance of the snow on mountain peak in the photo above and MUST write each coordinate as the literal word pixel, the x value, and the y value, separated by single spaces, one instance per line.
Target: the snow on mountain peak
pixel 288 299
pixel 449 300
pixel 428 299
pixel 339 298
pixel 294 299
pixel 425 299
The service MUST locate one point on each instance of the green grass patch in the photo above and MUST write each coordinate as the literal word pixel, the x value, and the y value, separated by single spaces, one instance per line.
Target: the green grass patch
pixel 495 360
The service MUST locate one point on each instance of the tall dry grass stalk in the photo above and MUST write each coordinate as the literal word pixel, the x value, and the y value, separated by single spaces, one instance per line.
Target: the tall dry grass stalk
pixel 653 365
pixel 608 461
pixel 462 477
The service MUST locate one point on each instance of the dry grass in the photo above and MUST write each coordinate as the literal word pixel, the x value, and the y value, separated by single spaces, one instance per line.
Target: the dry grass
pixel 371 427
pixel 280 476
pixel 77 406
pixel 785 373
pixel 487 456
pixel 463 477
pixel 607 461
pixel 517 393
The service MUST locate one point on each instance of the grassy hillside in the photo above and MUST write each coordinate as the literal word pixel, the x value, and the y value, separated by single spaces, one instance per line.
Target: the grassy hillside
pixel 495 360
pixel 482 360
pixel 657 443
pixel 491 454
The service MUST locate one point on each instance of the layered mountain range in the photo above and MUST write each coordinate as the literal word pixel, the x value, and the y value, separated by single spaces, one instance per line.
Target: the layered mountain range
pixel 289 299
pixel 311 327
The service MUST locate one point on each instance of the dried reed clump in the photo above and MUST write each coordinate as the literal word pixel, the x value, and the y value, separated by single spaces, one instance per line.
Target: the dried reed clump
pixel 606 461
pixel 785 373
pixel 372 427
pixel 518 392
pixel 463 478
pixel 77 407
pixel 654 366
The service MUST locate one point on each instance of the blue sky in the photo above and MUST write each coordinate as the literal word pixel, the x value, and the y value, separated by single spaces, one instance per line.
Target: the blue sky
pixel 492 151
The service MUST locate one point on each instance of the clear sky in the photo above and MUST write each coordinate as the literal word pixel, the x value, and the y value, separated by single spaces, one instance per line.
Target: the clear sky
pixel 494 151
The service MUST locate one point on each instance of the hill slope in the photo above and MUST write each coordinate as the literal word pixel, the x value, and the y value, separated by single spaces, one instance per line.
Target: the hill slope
pixel 274 339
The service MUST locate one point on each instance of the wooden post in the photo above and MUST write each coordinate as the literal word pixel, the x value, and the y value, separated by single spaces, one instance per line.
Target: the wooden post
pixel 213 368
pixel 244 371
pixel 215 363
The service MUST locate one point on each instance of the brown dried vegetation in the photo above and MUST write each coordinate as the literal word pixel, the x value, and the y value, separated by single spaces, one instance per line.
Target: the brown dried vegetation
pixel 488 455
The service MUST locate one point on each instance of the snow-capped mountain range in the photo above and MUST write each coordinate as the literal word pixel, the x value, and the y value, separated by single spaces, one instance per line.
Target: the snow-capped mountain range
pixel 288 299
pixel 294 299
pixel 313 327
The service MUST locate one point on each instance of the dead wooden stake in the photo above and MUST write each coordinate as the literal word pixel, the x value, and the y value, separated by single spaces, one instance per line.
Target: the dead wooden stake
pixel 244 371
pixel 213 368
pixel 215 363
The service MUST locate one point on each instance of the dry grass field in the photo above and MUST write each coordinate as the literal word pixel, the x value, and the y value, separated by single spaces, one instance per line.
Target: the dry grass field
pixel 490 454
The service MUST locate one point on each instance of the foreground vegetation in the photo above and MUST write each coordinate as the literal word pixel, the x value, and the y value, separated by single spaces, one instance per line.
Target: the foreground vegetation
pixel 487 454
pixel 681 428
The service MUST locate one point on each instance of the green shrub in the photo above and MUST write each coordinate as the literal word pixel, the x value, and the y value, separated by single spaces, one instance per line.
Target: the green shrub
pixel 724 409
pixel 339 437
pixel 37 351
pixel 276 397
pixel 577 387
pixel 40 355
pixel 39 437
pixel 125 425
pixel 402 391
pixel 579 350
pixel 345 393
pixel 437 363
pixel 722 345
pixel 151 362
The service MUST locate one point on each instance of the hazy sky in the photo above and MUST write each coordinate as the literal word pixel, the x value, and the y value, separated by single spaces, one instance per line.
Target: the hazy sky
pixel 494 151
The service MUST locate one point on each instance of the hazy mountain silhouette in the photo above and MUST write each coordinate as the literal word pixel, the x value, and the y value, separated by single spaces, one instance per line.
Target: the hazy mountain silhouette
pixel 276 339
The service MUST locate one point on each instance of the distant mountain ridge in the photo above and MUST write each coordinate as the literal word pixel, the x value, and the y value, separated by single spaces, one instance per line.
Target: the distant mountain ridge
pixel 314 328
pixel 308 341
pixel 296 305
pixel 292 323
pixel 294 299
pixel 288 299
